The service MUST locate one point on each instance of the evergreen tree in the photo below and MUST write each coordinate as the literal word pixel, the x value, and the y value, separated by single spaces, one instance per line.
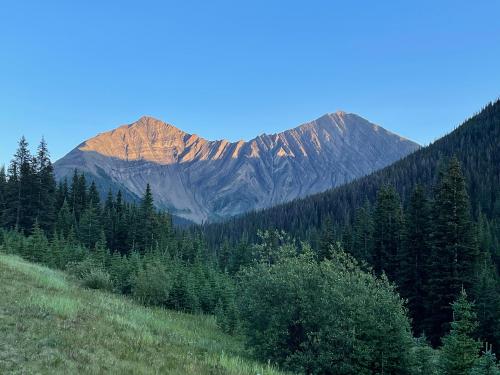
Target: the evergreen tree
pixel 89 228
pixel 93 197
pixel 387 232
pixel 78 195
pixel 414 257
pixel 45 189
pixel 424 359
pixel 65 220
pixel 487 300
pixel 109 220
pixel 123 239
pixel 147 229
pixel 62 194
pixel 362 241
pixel 454 251
pixel 20 198
pixel 327 239
pixel 460 349
pixel 485 365
pixel 3 187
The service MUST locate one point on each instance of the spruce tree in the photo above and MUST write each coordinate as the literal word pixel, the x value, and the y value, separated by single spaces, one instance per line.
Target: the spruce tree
pixel 487 300
pixel 45 189
pixel 387 221
pixel 3 187
pixel 362 241
pixel 485 365
pixel 93 197
pixel 109 220
pixel 62 194
pixel 89 227
pixel 20 211
pixel 414 257
pixel 65 220
pixel 460 349
pixel 327 239
pixel 148 223
pixel 454 250
pixel 78 194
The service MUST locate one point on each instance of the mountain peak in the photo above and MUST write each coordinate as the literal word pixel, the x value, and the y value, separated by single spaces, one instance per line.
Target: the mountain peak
pixel 149 121
pixel 199 179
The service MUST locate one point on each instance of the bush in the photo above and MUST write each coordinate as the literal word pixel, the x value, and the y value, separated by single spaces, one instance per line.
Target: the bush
pixel 97 278
pixel 323 318
pixel 152 283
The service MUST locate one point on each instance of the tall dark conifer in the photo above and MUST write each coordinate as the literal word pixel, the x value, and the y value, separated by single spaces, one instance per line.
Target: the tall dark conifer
pixel 454 249
pixel 362 238
pixel 45 189
pixel 3 187
pixel 327 239
pixel 93 197
pixel 414 257
pixel 387 220
pixel 20 211
pixel 78 194
pixel 147 229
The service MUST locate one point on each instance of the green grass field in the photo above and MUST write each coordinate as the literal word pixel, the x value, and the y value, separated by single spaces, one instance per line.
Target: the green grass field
pixel 50 325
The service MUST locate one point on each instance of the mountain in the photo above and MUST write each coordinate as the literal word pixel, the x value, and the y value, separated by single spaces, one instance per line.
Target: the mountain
pixel 476 143
pixel 202 180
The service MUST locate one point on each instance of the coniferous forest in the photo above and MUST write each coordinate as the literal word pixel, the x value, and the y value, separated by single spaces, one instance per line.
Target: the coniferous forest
pixel 395 273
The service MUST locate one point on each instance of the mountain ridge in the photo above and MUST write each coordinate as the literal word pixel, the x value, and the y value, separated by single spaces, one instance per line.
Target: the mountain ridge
pixel 474 142
pixel 201 179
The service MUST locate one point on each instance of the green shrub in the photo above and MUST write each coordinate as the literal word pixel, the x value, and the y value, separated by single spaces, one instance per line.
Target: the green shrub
pixel 152 283
pixel 323 318
pixel 97 278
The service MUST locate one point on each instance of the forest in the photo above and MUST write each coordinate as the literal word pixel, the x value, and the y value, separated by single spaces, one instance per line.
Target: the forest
pixel 396 273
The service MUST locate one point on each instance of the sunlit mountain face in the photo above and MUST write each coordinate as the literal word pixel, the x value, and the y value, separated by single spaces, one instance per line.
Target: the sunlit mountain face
pixel 202 180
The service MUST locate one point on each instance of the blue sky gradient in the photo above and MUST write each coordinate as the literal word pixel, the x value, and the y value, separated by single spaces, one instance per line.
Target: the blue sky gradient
pixel 229 69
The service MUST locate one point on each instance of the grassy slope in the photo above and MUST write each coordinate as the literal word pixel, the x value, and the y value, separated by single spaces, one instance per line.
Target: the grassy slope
pixel 50 325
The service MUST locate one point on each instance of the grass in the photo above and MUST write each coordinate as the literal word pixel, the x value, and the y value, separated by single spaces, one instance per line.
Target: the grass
pixel 50 325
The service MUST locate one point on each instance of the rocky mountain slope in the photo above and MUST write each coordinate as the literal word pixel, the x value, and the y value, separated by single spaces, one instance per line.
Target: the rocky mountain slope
pixel 204 180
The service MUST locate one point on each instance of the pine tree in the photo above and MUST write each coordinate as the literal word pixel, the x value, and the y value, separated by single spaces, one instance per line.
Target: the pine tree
pixel 327 239
pixel 78 195
pixel 148 226
pixel 109 220
pixel 454 249
pixel 37 250
pixel 20 198
pixel 460 349
pixel 45 189
pixel 3 187
pixel 93 197
pixel 62 193
pixel 362 242
pixel 487 300
pixel 65 220
pixel 123 241
pixel 485 365
pixel 387 220
pixel 414 257
pixel 89 227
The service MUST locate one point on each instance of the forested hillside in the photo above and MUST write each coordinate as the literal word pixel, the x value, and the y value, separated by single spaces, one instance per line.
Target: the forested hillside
pixel 476 144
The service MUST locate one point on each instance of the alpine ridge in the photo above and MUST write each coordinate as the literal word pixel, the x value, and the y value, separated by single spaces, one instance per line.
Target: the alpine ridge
pixel 202 180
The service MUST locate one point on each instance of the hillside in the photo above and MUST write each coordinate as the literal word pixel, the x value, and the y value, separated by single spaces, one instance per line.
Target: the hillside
pixel 476 143
pixel 202 180
pixel 49 325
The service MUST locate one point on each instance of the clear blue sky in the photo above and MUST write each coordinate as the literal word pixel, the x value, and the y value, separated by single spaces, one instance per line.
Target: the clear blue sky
pixel 234 69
